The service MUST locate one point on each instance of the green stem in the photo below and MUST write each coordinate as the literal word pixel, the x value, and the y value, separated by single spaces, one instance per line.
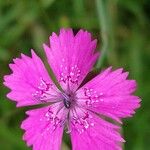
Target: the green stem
pixel 103 22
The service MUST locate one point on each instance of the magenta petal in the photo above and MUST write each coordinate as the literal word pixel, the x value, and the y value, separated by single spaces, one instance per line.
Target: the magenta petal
pixel 71 57
pixel 81 110
pixel 25 79
pixel 110 94
pixel 41 132
pixel 101 135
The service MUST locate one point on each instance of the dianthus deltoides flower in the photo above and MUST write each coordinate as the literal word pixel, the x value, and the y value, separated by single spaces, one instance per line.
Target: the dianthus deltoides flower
pixel 77 109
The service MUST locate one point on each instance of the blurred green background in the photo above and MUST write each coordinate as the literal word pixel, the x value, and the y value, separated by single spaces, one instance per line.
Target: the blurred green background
pixel 26 24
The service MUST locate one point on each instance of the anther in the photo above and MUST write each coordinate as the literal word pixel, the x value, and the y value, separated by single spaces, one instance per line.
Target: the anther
pixel 67 103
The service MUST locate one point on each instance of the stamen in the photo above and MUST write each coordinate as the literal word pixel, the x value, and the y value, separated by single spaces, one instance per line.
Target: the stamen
pixel 46 92
pixel 67 103
pixel 68 99
pixel 93 96
pixel 71 74
pixel 55 117
pixel 83 122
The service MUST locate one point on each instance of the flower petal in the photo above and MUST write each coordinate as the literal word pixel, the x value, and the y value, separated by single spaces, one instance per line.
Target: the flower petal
pixel 71 57
pixel 110 94
pixel 43 130
pixel 101 135
pixel 28 80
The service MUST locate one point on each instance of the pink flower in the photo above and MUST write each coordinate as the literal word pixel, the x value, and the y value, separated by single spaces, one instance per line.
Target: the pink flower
pixel 78 109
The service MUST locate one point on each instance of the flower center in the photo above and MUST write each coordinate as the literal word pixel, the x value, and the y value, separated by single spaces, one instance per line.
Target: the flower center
pixel 65 110
pixel 67 103
pixel 68 99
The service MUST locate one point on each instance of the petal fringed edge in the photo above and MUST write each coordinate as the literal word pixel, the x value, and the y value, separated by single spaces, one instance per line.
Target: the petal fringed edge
pixel 28 77
pixel 110 94
pixel 40 132
pixel 71 57
pixel 101 135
